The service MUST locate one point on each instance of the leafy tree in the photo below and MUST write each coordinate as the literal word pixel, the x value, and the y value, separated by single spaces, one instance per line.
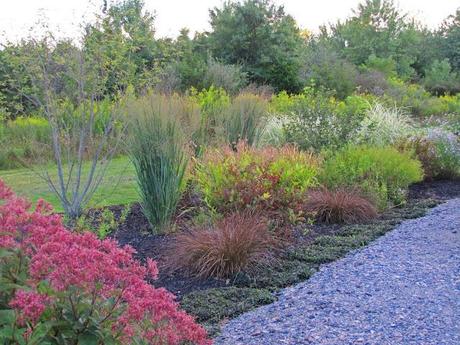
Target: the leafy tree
pixel 323 67
pixel 131 52
pixel 377 28
pixel 450 33
pixel 13 83
pixel 260 36
pixel 190 65
pixel 440 79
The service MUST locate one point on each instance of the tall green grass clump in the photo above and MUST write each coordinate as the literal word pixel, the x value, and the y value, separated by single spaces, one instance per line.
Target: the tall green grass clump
pixel 158 153
pixel 244 119
pixel 383 173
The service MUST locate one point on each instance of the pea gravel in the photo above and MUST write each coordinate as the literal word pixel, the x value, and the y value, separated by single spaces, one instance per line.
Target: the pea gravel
pixel 404 288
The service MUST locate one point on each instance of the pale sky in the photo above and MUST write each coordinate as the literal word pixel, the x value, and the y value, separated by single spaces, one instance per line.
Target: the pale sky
pixel 18 16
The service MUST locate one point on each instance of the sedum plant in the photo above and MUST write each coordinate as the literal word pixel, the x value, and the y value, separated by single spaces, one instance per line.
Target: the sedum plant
pixel 157 150
pixel 61 287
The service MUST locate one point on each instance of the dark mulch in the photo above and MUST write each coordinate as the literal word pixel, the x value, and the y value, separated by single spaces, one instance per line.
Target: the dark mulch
pixel 439 190
pixel 136 232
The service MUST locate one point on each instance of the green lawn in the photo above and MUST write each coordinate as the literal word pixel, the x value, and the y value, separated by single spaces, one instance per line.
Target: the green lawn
pixel 118 186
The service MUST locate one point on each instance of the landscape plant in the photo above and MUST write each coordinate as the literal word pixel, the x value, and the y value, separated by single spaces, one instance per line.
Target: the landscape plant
pixel 447 153
pixel 384 174
pixel 244 119
pixel 339 206
pixel 383 126
pixel 61 287
pixel 239 241
pixel 67 81
pixel 230 78
pixel 159 155
pixel 316 124
pixel 268 178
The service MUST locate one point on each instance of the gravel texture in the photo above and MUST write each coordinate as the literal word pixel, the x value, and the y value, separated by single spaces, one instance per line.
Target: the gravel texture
pixel 404 288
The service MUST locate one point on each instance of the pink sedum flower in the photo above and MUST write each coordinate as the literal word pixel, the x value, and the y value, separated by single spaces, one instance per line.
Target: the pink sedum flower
pixel 30 304
pixel 82 267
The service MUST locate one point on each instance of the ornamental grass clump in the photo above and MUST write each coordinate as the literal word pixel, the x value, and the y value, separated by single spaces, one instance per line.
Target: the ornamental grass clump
pixel 383 126
pixel 60 287
pixel 340 206
pixel 272 179
pixel 244 119
pixel 159 155
pixel 238 242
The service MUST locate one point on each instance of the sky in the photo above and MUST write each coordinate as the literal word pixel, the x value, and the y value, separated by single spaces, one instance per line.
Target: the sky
pixel 17 17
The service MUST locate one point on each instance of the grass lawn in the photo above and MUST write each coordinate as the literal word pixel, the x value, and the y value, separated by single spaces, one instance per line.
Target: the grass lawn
pixel 118 186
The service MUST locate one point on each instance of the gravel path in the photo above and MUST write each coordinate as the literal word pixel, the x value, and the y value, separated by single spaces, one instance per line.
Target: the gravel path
pixel 403 289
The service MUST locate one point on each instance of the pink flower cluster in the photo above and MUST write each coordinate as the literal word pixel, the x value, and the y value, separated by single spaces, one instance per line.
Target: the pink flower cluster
pixel 80 267
pixel 31 305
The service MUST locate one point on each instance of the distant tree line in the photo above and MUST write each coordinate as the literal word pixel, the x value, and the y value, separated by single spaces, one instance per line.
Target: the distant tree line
pixel 251 42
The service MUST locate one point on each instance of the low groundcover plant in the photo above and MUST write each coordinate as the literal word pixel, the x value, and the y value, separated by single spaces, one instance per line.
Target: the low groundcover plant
pixel 59 287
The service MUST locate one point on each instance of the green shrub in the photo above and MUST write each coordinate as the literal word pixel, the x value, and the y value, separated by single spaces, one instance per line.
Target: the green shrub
pixel 440 79
pixel 383 173
pixel 159 157
pixel 423 150
pixel 283 103
pixel 453 105
pixel 325 68
pixel 419 101
pixel 24 140
pixel 230 78
pixel 316 124
pixel 355 105
pixel 244 119
pixel 212 100
pixel 269 178
pixel 29 128
pixel 387 66
pixel 383 126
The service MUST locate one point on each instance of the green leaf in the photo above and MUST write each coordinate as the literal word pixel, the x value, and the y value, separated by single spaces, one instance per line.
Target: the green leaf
pixel 7 316
pixel 40 332
pixel 88 339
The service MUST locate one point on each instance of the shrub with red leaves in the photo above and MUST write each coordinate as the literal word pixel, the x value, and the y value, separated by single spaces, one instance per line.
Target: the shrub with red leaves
pixel 269 179
pixel 238 242
pixel 60 287
pixel 340 206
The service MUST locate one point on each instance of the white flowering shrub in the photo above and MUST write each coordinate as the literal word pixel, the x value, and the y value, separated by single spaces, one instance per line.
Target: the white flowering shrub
pixel 316 124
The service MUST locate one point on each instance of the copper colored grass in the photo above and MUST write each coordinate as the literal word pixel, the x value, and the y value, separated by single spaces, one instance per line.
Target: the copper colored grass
pixel 340 206
pixel 238 242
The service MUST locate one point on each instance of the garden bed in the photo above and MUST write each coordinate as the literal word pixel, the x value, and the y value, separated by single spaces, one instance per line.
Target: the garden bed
pixel 213 301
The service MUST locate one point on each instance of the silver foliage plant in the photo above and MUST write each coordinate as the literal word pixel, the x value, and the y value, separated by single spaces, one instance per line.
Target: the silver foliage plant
pixel 85 133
